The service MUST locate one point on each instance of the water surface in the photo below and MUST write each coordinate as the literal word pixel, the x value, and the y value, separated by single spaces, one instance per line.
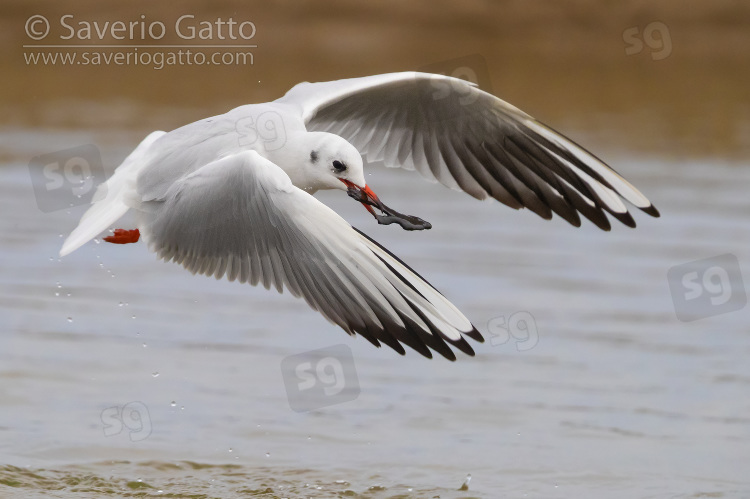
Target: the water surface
pixel 614 396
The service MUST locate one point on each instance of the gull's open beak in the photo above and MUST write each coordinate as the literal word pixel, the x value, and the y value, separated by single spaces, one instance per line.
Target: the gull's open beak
pixel 362 194
pixel 369 199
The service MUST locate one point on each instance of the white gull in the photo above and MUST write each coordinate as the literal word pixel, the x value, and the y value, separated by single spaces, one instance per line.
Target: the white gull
pixel 231 195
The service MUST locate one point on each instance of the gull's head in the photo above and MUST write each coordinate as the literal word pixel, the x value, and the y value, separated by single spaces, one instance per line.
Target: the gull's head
pixel 333 162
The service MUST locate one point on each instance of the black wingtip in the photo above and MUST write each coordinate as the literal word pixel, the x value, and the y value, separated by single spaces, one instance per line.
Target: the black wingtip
pixel 625 218
pixel 651 210
pixel 474 334
pixel 462 345
pixel 385 337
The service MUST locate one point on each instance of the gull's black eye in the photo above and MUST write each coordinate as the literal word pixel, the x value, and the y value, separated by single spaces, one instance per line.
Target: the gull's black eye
pixel 339 166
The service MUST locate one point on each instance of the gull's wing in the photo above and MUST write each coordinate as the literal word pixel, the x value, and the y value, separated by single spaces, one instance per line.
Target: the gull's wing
pixel 451 131
pixel 241 217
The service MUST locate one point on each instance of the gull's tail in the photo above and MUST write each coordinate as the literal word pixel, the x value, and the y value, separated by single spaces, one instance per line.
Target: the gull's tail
pixel 109 202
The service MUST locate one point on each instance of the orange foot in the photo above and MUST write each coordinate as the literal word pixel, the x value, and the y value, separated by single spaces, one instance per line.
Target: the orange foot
pixel 124 236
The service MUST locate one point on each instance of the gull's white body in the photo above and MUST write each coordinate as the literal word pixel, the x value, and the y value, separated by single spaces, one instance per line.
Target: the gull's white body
pixel 231 195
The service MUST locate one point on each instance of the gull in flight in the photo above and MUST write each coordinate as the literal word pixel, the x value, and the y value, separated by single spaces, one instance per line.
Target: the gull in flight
pixel 232 195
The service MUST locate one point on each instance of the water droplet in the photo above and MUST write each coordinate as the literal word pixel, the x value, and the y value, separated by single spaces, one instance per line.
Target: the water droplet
pixel 59 285
pixel 96 240
pixel 119 304
pixel 155 374
pixel 101 265
pixel 67 294
pixel 268 454
pixel 60 235
pixel 173 403
pixel 230 449
pixel 57 293
pixel 132 316
pixel 70 319
pixel 113 275
pixel 145 345
pixel 51 259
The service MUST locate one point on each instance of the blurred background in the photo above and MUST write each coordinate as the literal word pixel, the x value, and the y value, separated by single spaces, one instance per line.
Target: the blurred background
pixel 606 392
pixel 583 64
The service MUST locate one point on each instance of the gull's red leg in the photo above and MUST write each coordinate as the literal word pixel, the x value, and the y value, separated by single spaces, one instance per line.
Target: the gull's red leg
pixel 124 236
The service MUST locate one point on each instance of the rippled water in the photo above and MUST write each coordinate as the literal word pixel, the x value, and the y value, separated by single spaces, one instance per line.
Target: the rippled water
pixel 610 394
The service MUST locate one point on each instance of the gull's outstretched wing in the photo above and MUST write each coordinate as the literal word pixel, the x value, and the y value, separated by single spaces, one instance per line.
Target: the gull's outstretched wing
pixel 241 217
pixel 451 131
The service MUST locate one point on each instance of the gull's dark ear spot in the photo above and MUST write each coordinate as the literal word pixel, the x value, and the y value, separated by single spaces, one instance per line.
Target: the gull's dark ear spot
pixel 313 156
